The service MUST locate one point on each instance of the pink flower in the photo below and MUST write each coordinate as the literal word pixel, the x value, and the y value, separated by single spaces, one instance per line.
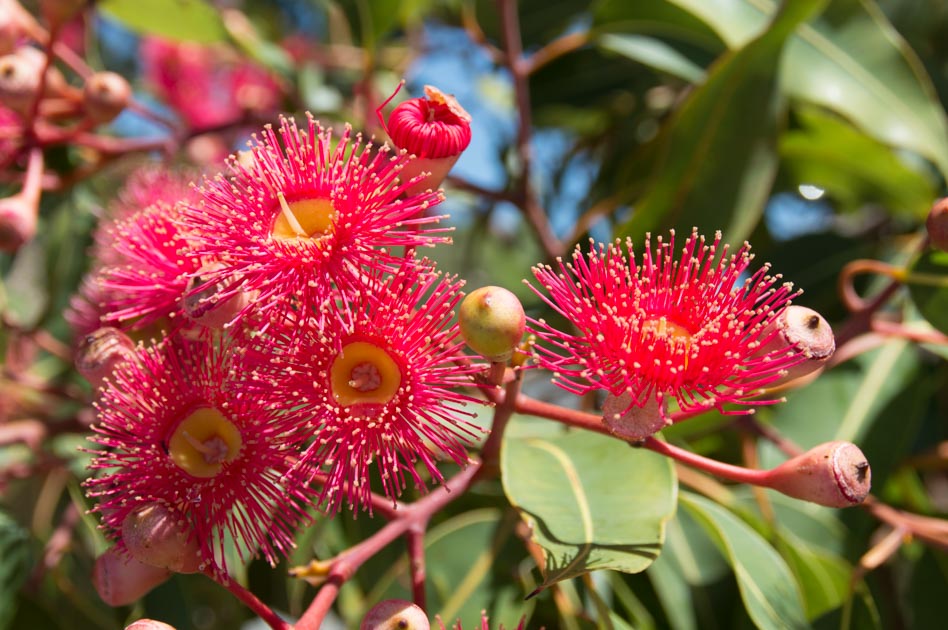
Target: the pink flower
pixel 379 387
pixel 175 430
pixel 687 329
pixel 11 133
pixel 304 214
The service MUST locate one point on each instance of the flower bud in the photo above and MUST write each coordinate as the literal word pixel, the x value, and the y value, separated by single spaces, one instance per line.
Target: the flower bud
pixel 804 331
pixel 834 474
pixel 149 624
pixel 120 580
pixel 18 218
pixel 101 352
pixel 209 306
pixel 19 82
pixel 492 322
pixel 395 614
pixel 631 422
pixel 937 224
pixel 157 535
pixel 105 96
pixel 436 130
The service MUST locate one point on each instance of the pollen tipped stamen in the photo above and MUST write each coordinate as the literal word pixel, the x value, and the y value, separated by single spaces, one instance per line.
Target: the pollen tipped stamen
pixel 291 219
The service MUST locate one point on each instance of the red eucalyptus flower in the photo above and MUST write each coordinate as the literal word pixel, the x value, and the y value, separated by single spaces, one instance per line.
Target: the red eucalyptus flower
pixel 177 431
pixel 305 214
pixel 688 329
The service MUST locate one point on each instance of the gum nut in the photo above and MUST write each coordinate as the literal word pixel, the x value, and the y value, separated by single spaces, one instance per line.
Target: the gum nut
pixel 492 322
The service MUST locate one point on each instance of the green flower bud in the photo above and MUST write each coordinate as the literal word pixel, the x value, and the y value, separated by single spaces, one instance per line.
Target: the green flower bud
pixel 492 322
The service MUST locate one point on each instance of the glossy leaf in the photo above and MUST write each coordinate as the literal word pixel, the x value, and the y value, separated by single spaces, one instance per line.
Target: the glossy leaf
pixel 592 501
pixel 853 168
pixel 185 20
pixel 654 54
pixel 767 585
pixel 717 157
pixel 823 577
pixel 928 286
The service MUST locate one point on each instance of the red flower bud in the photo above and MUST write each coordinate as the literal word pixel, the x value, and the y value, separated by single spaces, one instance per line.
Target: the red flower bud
pixel 19 81
pixel 395 614
pixel 492 322
pixel 937 224
pixel 149 624
pixel 209 306
pixel 435 129
pixel 834 474
pixel 157 535
pixel 18 217
pixel 105 96
pixel 120 580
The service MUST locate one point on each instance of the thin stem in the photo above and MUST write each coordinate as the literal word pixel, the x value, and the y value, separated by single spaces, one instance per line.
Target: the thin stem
pixel 415 538
pixel 719 469
pixel 502 413
pixel 253 603
pixel 333 573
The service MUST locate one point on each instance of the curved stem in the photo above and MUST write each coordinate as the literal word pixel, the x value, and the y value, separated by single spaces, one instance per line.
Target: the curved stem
pixel 253 603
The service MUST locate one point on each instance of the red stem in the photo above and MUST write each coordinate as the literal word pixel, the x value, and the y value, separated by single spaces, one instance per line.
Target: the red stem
pixel 415 537
pixel 253 603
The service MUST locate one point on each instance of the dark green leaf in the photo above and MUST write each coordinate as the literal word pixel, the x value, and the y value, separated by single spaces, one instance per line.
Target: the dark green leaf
pixel 716 159
pixel 767 586
pixel 186 20
pixel 591 500
pixel 14 565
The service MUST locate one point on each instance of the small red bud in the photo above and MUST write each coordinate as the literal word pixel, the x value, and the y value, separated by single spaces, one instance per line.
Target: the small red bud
pixel 631 422
pixel 105 96
pixel 434 129
pixel 802 330
pixel 149 624
pixel 492 322
pixel 156 535
pixel 395 614
pixel 937 224
pixel 101 352
pixel 834 474
pixel 120 580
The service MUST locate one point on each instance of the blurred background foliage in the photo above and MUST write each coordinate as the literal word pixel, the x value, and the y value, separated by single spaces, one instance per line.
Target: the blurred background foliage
pixel 819 136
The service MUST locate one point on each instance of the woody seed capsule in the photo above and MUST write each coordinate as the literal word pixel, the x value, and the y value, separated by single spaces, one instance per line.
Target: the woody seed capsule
pixel 105 96
pixel 801 330
pixel 395 614
pixel 834 474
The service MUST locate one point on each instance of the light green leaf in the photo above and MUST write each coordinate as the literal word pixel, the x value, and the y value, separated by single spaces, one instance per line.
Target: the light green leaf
pixel 767 586
pixel 653 53
pixel 674 593
pixel 822 576
pixel 592 501
pixel 928 286
pixel 716 157
pixel 185 20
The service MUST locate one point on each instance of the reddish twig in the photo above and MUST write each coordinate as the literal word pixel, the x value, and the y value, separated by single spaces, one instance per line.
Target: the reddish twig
pixel 253 603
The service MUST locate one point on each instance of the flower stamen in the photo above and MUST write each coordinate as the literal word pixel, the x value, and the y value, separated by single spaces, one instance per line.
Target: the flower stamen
pixel 364 373
pixel 203 442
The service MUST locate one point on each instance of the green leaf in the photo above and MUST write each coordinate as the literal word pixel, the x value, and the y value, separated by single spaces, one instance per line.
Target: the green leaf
pixel 592 501
pixel 767 586
pixel 674 593
pixel 14 565
pixel 822 576
pixel 716 158
pixel 853 168
pixel 928 285
pixel 185 20
pixel 653 53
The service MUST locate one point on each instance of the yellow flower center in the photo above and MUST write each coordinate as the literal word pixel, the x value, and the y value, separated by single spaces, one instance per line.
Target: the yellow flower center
pixel 364 373
pixel 304 218
pixel 203 441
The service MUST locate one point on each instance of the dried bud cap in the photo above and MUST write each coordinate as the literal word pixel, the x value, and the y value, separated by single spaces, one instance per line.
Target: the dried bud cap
pixel 18 217
pixel 149 624
pixel 492 322
pixel 101 352
pixel 834 474
pixel 156 535
pixel 120 580
pixel 208 305
pixel 436 130
pixel 937 224
pixel 804 331
pixel 631 422
pixel 105 96
pixel 395 614
pixel 19 82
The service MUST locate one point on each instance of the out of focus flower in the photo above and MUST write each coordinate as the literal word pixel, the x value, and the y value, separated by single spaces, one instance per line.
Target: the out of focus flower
pixel 10 133
pixel 208 86
pixel 688 329
pixel 305 214
pixel 174 430
pixel 379 387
